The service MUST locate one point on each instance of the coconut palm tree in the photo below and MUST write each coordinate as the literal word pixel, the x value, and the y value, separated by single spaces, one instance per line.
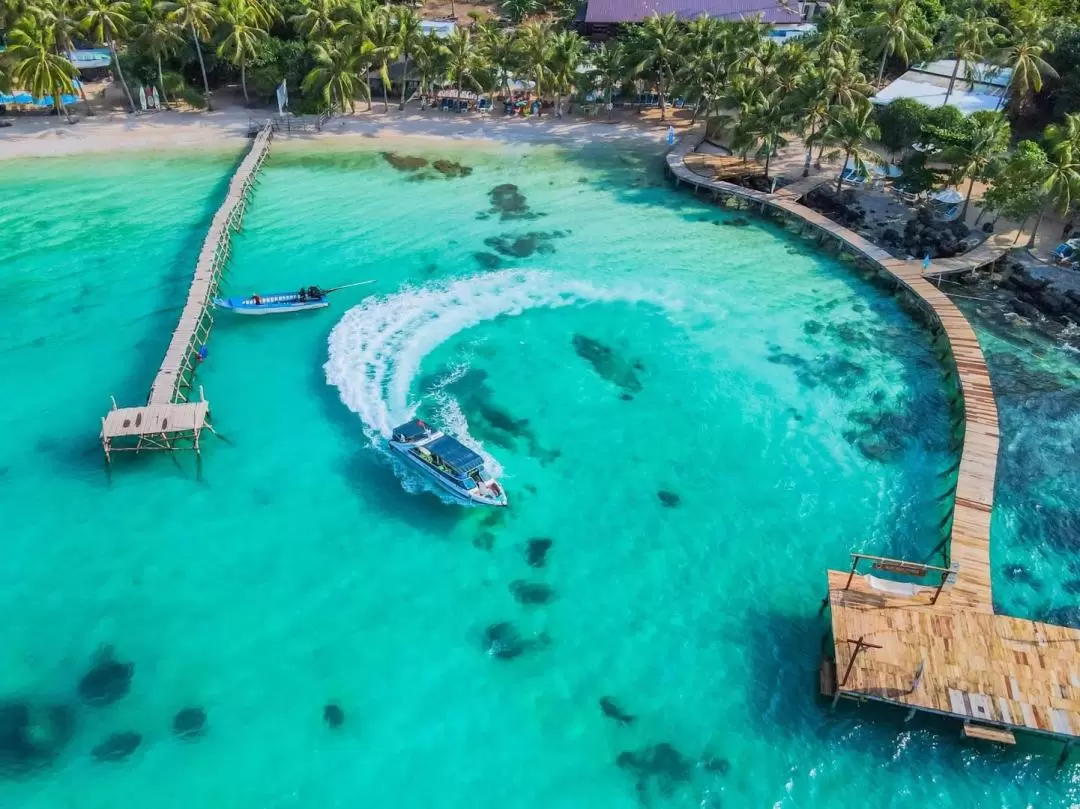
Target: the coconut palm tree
pixel 836 25
pixel 407 29
pixel 987 140
pixel 761 127
pixel 535 50
pixel 850 128
pixel 462 60
pixel 847 83
pixel 384 41
pixel 103 20
pixel 156 36
pixel 610 67
pixel 38 67
pixel 896 28
pixel 811 102
pixel 1024 55
pixel 62 19
pixel 1061 187
pixel 656 46
pixel 971 37
pixel 567 50
pixel 500 49
pixel 319 20
pixel 430 59
pixel 195 16
pixel 340 71
pixel 244 25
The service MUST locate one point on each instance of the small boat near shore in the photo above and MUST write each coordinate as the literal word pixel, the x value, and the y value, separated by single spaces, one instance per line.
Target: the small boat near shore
pixel 450 464
pixel 282 303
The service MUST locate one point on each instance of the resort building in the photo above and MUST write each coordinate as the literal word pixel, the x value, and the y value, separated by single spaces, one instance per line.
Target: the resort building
pixel 979 86
pixel 603 16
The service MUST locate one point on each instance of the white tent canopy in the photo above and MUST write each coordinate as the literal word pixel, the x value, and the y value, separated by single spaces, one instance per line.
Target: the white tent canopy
pixel 978 86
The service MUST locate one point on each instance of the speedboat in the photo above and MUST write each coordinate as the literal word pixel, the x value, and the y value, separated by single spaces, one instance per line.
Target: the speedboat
pixel 449 463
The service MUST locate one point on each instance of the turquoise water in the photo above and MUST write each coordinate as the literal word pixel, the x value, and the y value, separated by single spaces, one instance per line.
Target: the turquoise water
pixel 603 339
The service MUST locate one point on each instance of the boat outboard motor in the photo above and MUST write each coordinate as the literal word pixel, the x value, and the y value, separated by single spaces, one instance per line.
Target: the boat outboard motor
pixel 314 293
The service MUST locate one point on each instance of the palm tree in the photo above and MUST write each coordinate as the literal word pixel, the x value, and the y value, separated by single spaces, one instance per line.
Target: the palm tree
pixel 518 10
pixel 987 140
pixel 656 45
pixel 319 20
pixel 429 57
pixel 897 27
pixel 384 42
pixel 407 28
pixel 196 16
pixel 462 64
pixel 1061 187
pixel 812 108
pixel 567 50
pixel 339 72
pixel 535 39
pixel 970 36
pixel 499 48
pixel 761 127
pixel 244 23
pixel 158 37
pixel 836 27
pixel 39 68
pixel 847 83
pixel 103 19
pixel 1024 55
pixel 849 129
pixel 610 66
pixel 62 20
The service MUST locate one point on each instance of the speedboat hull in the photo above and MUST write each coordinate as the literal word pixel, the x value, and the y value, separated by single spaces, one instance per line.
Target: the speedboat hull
pixel 465 497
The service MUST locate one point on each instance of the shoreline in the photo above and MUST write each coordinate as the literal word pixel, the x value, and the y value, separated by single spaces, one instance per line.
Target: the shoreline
pixel 169 130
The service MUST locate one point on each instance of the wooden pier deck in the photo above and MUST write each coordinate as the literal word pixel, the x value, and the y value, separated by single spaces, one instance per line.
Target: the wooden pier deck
pixel 169 420
pixel 900 643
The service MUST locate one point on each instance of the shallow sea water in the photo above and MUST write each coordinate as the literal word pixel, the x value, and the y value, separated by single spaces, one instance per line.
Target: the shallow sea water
pixel 646 343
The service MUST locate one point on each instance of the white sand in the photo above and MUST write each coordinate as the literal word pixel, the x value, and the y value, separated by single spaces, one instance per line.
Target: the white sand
pixel 45 136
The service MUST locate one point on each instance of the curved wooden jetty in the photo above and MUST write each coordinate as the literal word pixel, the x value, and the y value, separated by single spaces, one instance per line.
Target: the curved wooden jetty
pixel 937 648
pixel 169 420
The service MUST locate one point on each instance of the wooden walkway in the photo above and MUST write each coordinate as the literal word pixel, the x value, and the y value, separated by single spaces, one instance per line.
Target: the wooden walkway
pixel 168 416
pixel 890 643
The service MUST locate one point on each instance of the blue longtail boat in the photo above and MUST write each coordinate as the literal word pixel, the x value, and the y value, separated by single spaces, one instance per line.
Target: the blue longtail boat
pixel 282 303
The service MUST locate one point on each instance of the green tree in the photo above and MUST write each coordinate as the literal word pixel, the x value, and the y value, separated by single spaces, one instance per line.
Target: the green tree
pixel 518 10
pixel 535 50
pixel 850 129
pixel 38 67
pixel 103 20
pixel 340 71
pixel 897 28
pixel 157 37
pixel 1024 55
pixel 318 20
pixel 430 59
pixel 901 123
pixel 385 49
pixel 971 36
pixel 847 82
pixel 1016 186
pixel 407 29
pixel 986 140
pixel 656 45
pixel 761 128
pixel 567 50
pixel 195 16
pixel 62 19
pixel 245 31
pixel 812 105
pixel 462 60
pixel 499 48
pixel 610 67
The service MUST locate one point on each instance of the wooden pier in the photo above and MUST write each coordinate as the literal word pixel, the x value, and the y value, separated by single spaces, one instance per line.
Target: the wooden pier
pixel 169 420
pixel 935 647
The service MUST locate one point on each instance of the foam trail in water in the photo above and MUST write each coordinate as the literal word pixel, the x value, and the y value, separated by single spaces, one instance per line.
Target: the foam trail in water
pixel 376 349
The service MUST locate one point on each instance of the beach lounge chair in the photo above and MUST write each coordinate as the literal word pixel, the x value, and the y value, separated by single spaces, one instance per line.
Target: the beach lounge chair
pixel 483 105
pixel 1068 252
pixel 851 176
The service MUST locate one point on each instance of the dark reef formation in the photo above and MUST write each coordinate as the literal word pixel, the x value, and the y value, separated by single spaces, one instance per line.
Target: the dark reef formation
pixel 107 681
pixel 526 592
pixel 608 364
pixel 189 723
pixel 333 715
pixel 610 708
pixel 536 551
pixel 117 747
pixel 32 734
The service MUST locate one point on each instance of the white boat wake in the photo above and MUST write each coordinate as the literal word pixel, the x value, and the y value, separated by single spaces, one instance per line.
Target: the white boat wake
pixel 377 347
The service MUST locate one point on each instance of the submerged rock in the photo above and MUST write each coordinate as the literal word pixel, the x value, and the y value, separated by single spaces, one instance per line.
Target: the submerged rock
pixel 716 764
pixel 502 640
pixel 485 541
pixel 31 735
pixel 108 681
pixel 404 162
pixel 661 765
pixel 607 363
pixel 509 202
pixel 333 715
pixel 611 710
pixel 536 550
pixel 117 747
pixel 189 723
pixel 524 245
pixel 668 499
pixel 449 168
pixel 489 261
pixel 525 592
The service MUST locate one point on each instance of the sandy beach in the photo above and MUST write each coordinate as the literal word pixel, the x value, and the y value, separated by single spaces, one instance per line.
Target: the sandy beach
pixel 47 137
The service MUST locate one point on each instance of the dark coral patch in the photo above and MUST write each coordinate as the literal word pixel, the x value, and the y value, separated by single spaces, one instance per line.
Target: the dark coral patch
pixel 189 723
pixel 404 162
pixel 117 747
pixel 536 551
